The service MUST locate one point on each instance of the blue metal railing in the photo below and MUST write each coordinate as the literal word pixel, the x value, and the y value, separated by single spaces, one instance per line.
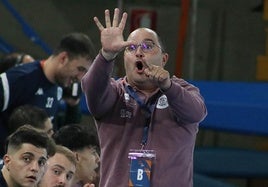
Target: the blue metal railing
pixel 29 32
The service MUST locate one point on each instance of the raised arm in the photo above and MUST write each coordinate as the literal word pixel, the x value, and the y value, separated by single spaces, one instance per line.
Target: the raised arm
pixel 112 40
pixel 96 84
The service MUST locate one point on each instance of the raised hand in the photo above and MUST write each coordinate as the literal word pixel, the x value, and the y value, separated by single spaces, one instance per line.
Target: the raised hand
pixel 112 35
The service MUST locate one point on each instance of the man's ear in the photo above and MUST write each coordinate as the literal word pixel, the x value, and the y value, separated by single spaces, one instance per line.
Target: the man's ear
pixel 63 57
pixel 164 59
pixel 6 160
pixel 77 156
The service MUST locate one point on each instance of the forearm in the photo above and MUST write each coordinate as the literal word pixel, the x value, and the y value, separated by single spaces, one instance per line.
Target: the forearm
pixel 96 85
pixel 186 101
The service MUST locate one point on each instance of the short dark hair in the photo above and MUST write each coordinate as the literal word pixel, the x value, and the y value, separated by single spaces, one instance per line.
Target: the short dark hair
pixel 27 114
pixel 76 45
pixel 31 135
pixel 75 137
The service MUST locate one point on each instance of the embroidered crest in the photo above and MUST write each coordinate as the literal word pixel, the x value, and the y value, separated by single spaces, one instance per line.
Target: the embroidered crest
pixel 162 102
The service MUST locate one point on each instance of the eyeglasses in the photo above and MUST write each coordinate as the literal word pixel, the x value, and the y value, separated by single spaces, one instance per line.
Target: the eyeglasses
pixel 147 46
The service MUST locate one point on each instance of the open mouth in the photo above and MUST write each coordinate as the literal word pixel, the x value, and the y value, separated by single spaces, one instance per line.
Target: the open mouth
pixel 97 169
pixel 139 65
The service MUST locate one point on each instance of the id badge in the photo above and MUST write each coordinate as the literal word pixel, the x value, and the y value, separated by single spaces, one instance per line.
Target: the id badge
pixel 141 162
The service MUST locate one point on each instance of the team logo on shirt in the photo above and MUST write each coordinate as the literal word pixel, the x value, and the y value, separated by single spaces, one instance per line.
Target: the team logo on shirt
pixel 125 114
pixel 59 93
pixel 39 92
pixel 162 102
pixel 127 99
pixel 126 95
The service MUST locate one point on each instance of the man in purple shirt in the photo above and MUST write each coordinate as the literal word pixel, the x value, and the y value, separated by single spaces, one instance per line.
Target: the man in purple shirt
pixel 147 121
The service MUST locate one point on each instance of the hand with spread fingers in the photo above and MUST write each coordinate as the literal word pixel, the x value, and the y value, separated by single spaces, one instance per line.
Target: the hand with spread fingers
pixel 112 35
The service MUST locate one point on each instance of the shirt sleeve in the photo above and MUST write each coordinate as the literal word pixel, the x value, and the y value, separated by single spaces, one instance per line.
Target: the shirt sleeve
pixel 186 101
pixel 98 86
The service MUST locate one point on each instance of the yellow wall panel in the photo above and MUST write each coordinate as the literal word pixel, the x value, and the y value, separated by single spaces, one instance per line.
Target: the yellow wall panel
pixel 265 10
pixel 262 68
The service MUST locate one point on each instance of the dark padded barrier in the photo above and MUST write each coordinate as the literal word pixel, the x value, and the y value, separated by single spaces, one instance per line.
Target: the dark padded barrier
pixel 231 162
pixel 205 181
